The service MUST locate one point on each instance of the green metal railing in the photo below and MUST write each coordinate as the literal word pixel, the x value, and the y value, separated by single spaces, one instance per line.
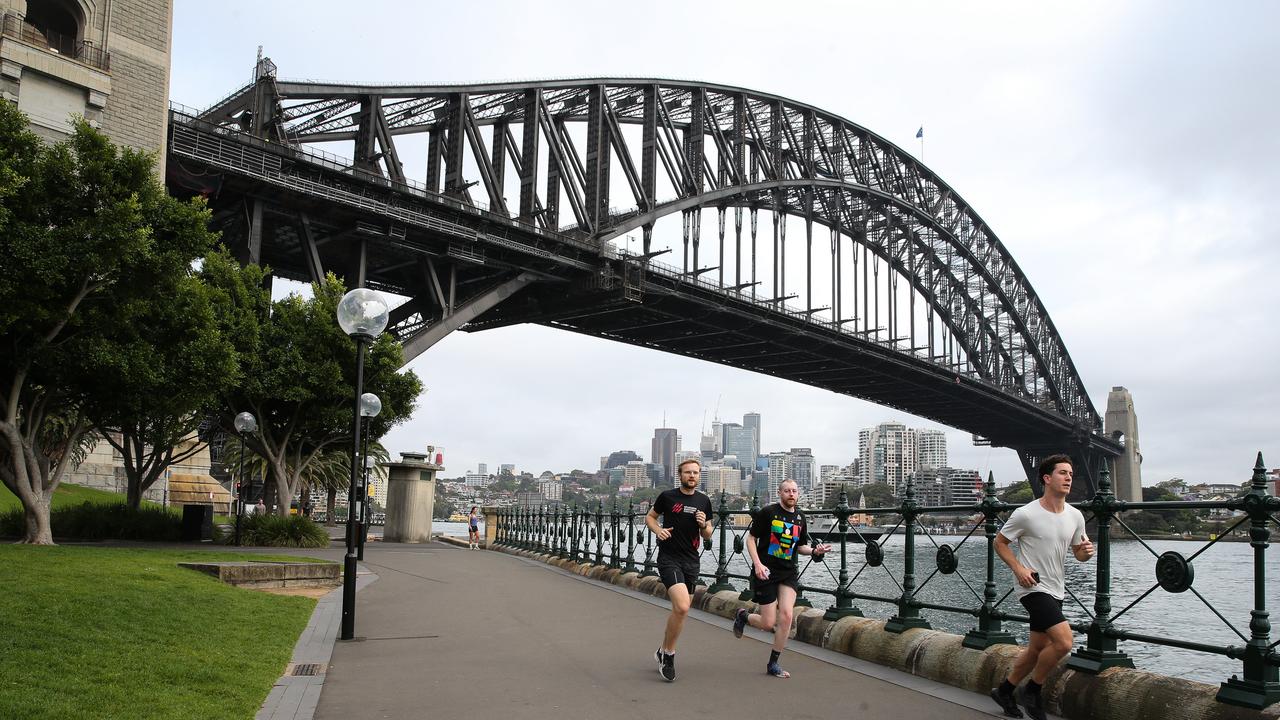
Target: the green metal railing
pixel 619 539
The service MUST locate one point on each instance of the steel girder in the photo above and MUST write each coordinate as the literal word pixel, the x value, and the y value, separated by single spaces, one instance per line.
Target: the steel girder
pixel 713 146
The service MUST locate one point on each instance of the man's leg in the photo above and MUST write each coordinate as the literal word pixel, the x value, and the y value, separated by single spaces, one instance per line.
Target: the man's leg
pixel 680 602
pixel 1059 642
pixel 1029 656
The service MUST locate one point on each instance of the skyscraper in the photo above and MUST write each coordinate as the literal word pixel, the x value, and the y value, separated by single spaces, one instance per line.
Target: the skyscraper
pixel 931 448
pixel 888 453
pixel 664 446
pixel 740 442
pixel 751 422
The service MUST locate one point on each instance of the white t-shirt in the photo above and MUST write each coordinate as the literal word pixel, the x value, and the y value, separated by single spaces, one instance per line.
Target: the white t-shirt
pixel 1043 540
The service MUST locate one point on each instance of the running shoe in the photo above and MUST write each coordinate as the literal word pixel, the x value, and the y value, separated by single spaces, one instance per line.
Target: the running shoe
pixel 776 670
pixel 666 666
pixel 1033 703
pixel 1006 703
pixel 740 622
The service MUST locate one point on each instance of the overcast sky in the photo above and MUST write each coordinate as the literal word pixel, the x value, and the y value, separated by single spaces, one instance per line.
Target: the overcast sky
pixel 1126 154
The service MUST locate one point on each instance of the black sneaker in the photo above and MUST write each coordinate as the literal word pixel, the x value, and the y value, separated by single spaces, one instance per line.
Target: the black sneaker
pixel 1033 703
pixel 1006 703
pixel 666 666
pixel 740 622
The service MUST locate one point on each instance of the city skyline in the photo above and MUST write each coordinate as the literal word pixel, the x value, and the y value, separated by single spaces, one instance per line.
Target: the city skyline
pixel 1113 148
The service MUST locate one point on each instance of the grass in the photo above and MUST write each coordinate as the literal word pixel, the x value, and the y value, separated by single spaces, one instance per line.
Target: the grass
pixel 65 495
pixel 126 633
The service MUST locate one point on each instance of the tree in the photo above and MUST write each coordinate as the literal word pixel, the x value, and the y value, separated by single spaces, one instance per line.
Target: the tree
pixel 88 238
pixel 879 495
pixel 299 384
pixel 167 362
pixel 1019 493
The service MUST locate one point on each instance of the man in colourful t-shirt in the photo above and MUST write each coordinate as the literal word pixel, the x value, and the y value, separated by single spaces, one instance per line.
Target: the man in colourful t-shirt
pixel 779 532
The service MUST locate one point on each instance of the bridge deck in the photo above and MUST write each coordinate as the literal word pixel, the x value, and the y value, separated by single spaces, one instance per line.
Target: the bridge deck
pixel 454 633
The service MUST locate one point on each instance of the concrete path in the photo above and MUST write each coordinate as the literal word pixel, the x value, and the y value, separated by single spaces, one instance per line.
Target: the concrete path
pixel 456 633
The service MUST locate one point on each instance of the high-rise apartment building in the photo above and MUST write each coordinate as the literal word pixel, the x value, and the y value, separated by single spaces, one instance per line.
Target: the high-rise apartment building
pixel 666 441
pixel 931 448
pixel 717 478
pixel 483 468
pixel 802 468
pixel 633 474
pixel 779 470
pixel 890 451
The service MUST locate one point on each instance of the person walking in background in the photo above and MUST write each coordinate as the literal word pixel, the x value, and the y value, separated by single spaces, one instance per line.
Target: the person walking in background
pixel 779 532
pixel 681 520
pixel 1044 529
pixel 473 529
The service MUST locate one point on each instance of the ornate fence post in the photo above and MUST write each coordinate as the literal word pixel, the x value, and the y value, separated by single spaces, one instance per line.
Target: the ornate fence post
pixel 1260 686
pixel 631 541
pixel 722 565
pixel 650 569
pixel 573 532
pixel 989 632
pixel 844 606
pixel 908 615
pixel 1099 652
pixel 599 532
pixel 747 595
pixel 613 535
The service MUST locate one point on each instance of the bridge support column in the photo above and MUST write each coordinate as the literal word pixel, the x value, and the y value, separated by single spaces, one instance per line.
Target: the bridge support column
pixel 1121 423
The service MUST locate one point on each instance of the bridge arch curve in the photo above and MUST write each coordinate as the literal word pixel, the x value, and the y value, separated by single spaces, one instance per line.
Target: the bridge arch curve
pixel 567 148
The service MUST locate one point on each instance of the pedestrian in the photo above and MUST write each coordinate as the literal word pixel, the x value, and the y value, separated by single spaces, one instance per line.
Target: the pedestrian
pixel 779 532
pixel 681 520
pixel 1044 530
pixel 473 530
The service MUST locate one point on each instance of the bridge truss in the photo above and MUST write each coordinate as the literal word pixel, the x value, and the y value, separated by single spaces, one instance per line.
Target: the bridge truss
pixel 895 290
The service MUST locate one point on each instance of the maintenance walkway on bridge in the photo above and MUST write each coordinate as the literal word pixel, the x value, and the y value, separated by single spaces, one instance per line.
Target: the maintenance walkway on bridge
pixel 443 631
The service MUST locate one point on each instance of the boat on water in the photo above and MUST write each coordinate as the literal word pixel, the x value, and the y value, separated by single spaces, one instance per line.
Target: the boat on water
pixel 824 529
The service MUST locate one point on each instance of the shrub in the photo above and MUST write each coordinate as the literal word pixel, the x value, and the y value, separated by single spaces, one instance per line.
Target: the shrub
pixel 268 530
pixel 104 521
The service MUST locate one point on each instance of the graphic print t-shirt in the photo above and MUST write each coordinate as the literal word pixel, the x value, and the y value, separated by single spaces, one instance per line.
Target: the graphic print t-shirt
pixel 678 513
pixel 778 533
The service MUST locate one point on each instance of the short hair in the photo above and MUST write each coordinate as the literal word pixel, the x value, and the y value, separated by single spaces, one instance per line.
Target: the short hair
pixel 789 480
pixel 1048 464
pixel 680 467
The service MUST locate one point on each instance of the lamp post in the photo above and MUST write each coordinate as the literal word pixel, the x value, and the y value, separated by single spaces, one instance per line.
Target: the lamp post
pixel 244 423
pixel 362 313
pixel 370 406
pixel 369 464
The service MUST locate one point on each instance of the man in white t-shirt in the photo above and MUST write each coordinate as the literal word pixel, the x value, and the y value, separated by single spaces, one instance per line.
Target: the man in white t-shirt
pixel 1044 530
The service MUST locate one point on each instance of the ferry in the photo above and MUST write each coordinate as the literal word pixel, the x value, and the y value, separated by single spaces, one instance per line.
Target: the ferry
pixel 824 530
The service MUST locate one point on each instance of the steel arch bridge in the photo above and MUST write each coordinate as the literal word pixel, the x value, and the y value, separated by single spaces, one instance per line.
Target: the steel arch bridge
pixel 532 188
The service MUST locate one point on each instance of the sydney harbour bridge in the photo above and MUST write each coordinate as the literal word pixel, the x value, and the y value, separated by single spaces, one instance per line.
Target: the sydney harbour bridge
pixel 719 223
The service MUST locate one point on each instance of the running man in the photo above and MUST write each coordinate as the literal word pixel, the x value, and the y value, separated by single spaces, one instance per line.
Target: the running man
pixel 681 519
pixel 1044 530
pixel 778 533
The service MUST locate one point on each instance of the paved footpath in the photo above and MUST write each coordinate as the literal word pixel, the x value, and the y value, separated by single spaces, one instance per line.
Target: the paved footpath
pixel 456 633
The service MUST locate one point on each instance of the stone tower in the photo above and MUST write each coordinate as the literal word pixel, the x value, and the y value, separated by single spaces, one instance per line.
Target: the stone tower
pixel 106 60
pixel 1122 423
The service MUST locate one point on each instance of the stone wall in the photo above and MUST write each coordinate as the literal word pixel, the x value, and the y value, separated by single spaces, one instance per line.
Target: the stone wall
pixel 1114 694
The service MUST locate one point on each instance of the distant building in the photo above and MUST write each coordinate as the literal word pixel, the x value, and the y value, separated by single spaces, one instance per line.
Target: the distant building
pixel 475 479
pixel 718 478
pixel 483 468
pixel 779 470
pixel 890 452
pixel 802 468
pixel 507 468
pixel 961 487
pixel 634 474
pixel 551 489
pixel 621 457
pixel 751 423
pixel 665 443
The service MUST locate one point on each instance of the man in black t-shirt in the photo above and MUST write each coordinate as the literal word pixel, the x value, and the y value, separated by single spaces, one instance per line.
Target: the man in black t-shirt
pixel 681 519
pixel 779 532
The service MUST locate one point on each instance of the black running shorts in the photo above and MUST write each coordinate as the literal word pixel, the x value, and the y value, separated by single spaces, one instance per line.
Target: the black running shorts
pixel 1045 610
pixel 673 574
pixel 764 592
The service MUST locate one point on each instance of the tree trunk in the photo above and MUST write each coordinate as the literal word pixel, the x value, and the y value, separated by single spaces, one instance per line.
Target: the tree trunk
pixel 331 503
pixel 39 529
pixel 133 494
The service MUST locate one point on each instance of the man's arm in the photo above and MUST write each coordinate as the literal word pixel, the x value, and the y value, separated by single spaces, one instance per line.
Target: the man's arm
pixel 1083 551
pixel 704 525
pixel 757 568
pixel 651 519
pixel 1020 573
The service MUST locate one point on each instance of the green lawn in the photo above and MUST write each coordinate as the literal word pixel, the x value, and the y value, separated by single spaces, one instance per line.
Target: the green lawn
pixel 125 633
pixel 66 494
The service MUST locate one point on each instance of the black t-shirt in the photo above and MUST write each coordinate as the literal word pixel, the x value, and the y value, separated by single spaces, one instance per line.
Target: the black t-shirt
pixel 677 512
pixel 778 533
